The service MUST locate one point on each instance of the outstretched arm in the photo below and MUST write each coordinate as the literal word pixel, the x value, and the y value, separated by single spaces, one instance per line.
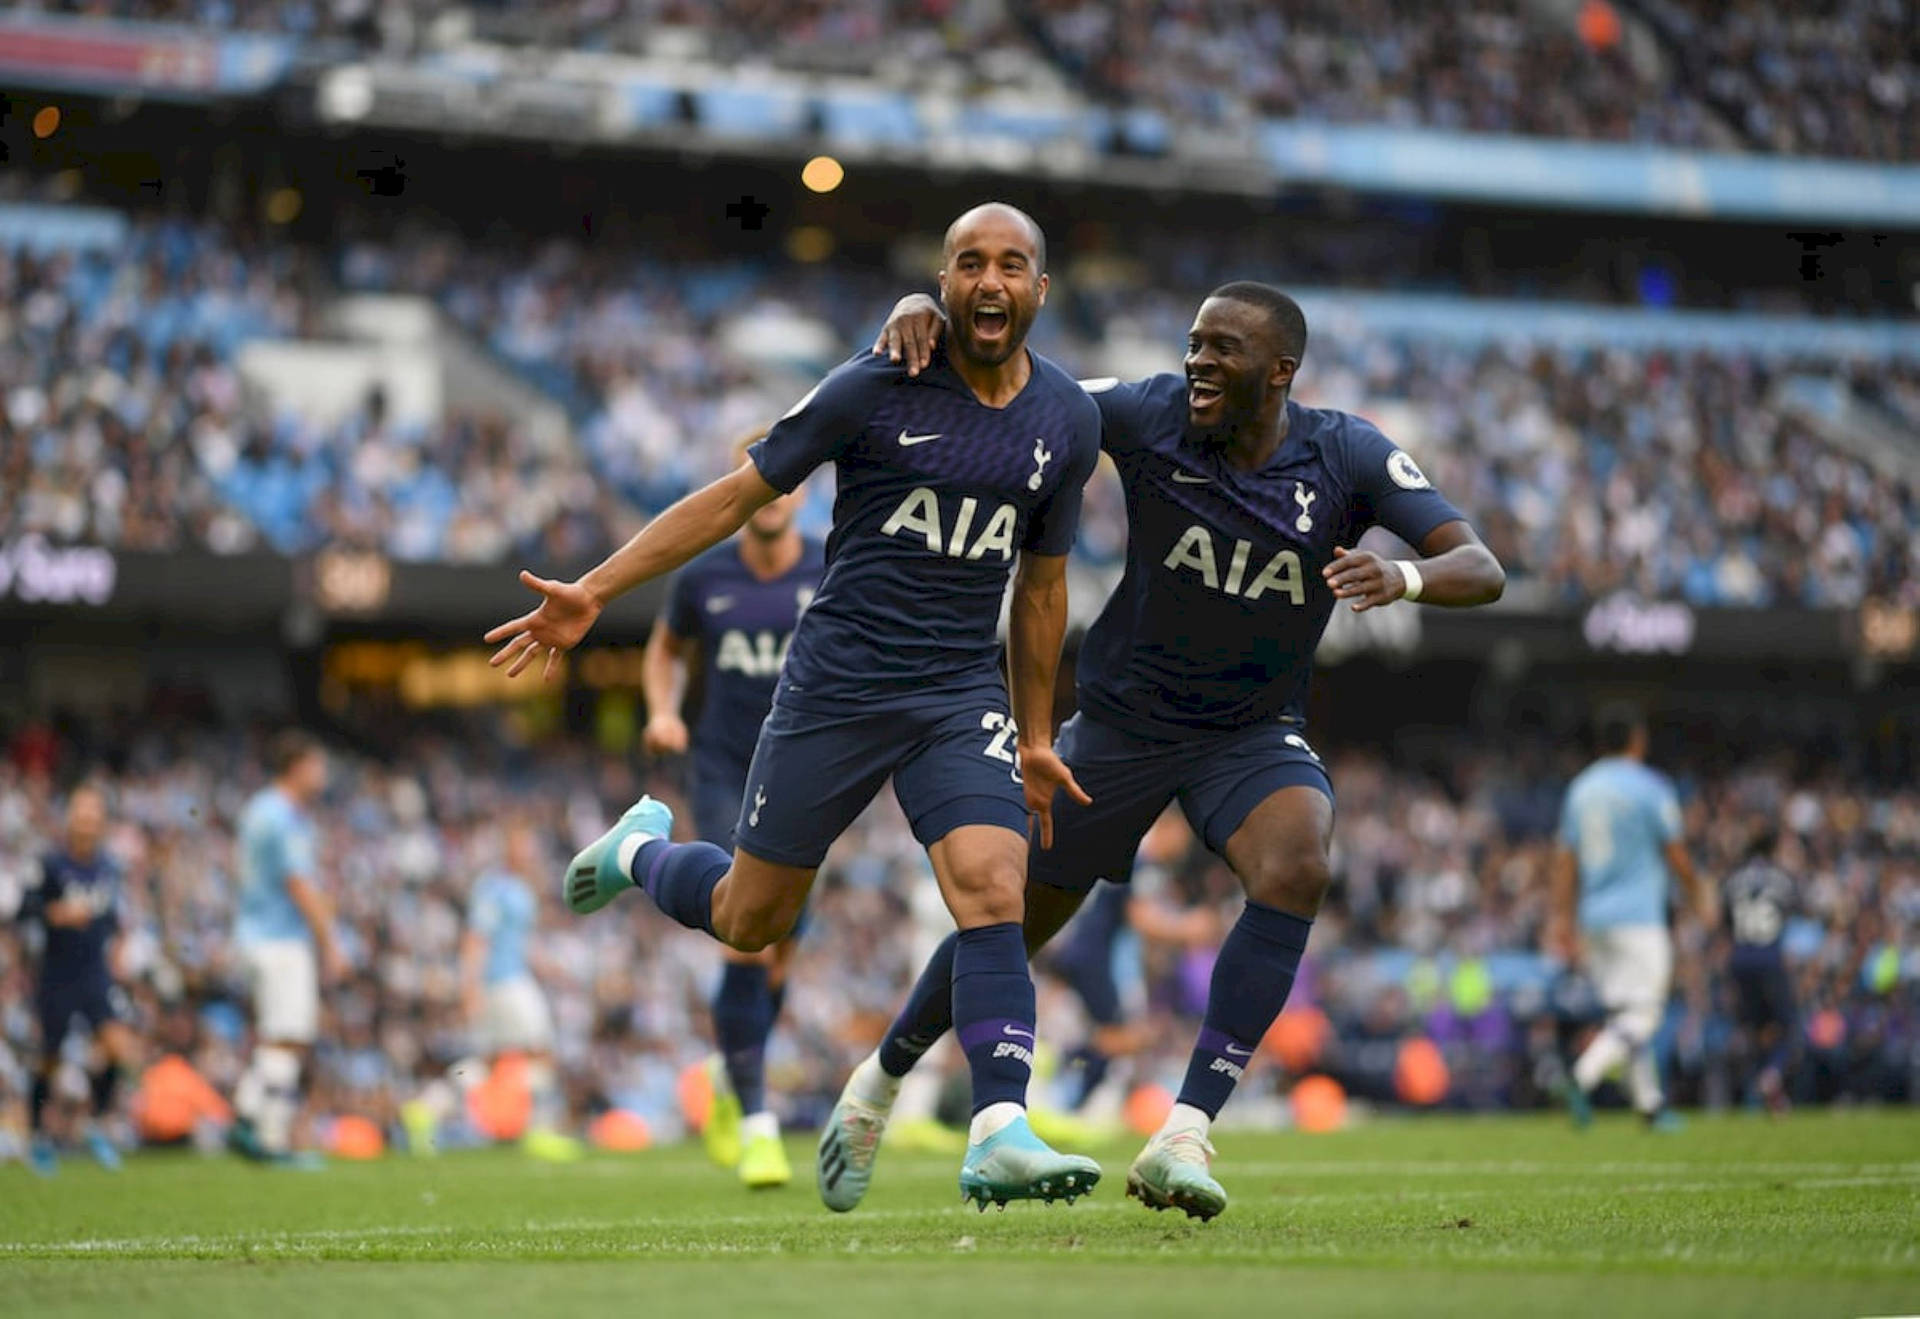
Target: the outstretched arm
pixel 1036 627
pixel 1456 568
pixel 567 609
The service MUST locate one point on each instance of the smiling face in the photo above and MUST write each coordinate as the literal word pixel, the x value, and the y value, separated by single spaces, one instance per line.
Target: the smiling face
pixel 1234 368
pixel 992 283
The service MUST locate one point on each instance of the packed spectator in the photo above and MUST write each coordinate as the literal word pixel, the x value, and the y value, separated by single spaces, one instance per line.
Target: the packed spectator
pixel 1432 928
pixel 1835 78
pixel 126 422
pixel 1832 79
pixel 1673 474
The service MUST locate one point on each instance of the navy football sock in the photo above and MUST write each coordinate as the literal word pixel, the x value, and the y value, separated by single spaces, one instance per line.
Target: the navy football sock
pixel 742 1020
pixel 102 1085
pixel 1092 1066
pixel 37 1102
pixel 680 878
pixel 927 1015
pixel 1251 980
pixel 993 1011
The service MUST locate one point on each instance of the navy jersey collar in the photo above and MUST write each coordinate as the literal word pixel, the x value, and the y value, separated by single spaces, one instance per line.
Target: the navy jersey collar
pixel 940 372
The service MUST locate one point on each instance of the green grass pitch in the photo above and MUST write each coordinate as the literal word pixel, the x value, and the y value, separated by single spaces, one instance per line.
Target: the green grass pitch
pixel 1819 1215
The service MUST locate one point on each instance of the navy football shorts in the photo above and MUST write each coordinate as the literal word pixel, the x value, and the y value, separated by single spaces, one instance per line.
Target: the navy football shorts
pixel 1764 991
pixel 1217 779
pixel 91 1001
pixel 951 758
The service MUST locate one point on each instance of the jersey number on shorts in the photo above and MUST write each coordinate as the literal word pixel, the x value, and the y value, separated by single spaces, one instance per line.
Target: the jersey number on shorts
pixel 1001 745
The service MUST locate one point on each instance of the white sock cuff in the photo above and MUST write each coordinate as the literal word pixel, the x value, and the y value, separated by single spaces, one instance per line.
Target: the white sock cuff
pixel 1185 1117
pixel 872 1084
pixel 993 1118
pixel 630 848
pixel 279 1068
pixel 755 1126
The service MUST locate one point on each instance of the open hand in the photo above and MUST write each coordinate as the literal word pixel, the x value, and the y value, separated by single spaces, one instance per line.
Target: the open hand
pixel 1043 773
pixel 911 332
pixel 566 611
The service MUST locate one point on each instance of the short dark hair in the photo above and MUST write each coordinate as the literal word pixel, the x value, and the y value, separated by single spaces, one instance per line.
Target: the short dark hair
pixel 289 747
pixel 1615 726
pixel 1033 227
pixel 1283 313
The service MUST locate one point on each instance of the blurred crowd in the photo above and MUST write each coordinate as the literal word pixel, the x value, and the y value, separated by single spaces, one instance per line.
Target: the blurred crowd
pixel 1832 79
pixel 127 423
pixel 1695 475
pixel 1431 930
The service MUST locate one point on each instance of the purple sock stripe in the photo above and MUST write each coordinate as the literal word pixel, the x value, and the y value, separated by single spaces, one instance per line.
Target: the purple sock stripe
pixel 995 1029
pixel 659 859
pixel 1216 1042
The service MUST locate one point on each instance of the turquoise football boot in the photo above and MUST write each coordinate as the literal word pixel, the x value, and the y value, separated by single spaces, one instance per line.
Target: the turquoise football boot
pixel 1015 1164
pixel 595 877
pixel 849 1143
pixel 1174 1172
pixel 101 1147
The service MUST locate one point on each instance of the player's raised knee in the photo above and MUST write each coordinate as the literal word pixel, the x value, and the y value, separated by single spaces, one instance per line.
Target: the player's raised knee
pixel 752 929
pixel 1292 882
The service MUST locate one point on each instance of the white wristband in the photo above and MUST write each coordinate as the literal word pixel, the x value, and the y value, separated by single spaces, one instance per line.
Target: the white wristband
pixel 1410 571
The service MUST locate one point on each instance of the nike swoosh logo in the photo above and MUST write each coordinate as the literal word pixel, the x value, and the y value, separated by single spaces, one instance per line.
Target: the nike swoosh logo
pixel 1184 479
pixel 1234 1052
pixel 719 604
pixel 908 441
pixel 1016 1032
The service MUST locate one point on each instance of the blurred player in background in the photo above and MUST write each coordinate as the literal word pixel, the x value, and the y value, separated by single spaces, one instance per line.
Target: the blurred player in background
pixel 1620 845
pixel 1092 943
pixel 77 905
pixel 1241 506
pixel 1759 897
pixel 283 931
pixel 729 618
pixel 945 478
pixel 505 1004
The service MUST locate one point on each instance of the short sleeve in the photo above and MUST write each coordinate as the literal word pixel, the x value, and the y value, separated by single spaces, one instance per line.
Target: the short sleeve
pixel 483 915
pixel 1666 812
pixel 1390 490
pixel 1120 403
pixel 683 610
pixel 296 851
pixel 820 427
pixel 1569 836
pixel 1054 523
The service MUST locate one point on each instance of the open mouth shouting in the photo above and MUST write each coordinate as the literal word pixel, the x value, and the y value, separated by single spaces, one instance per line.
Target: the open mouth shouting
pixel 1203 395
pixel 991 321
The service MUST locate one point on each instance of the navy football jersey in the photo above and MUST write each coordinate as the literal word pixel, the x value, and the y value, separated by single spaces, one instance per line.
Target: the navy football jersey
pixel 76 953
pixel 937 493
pixel 743 626
pixel 1215 621
pixel 1760 898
